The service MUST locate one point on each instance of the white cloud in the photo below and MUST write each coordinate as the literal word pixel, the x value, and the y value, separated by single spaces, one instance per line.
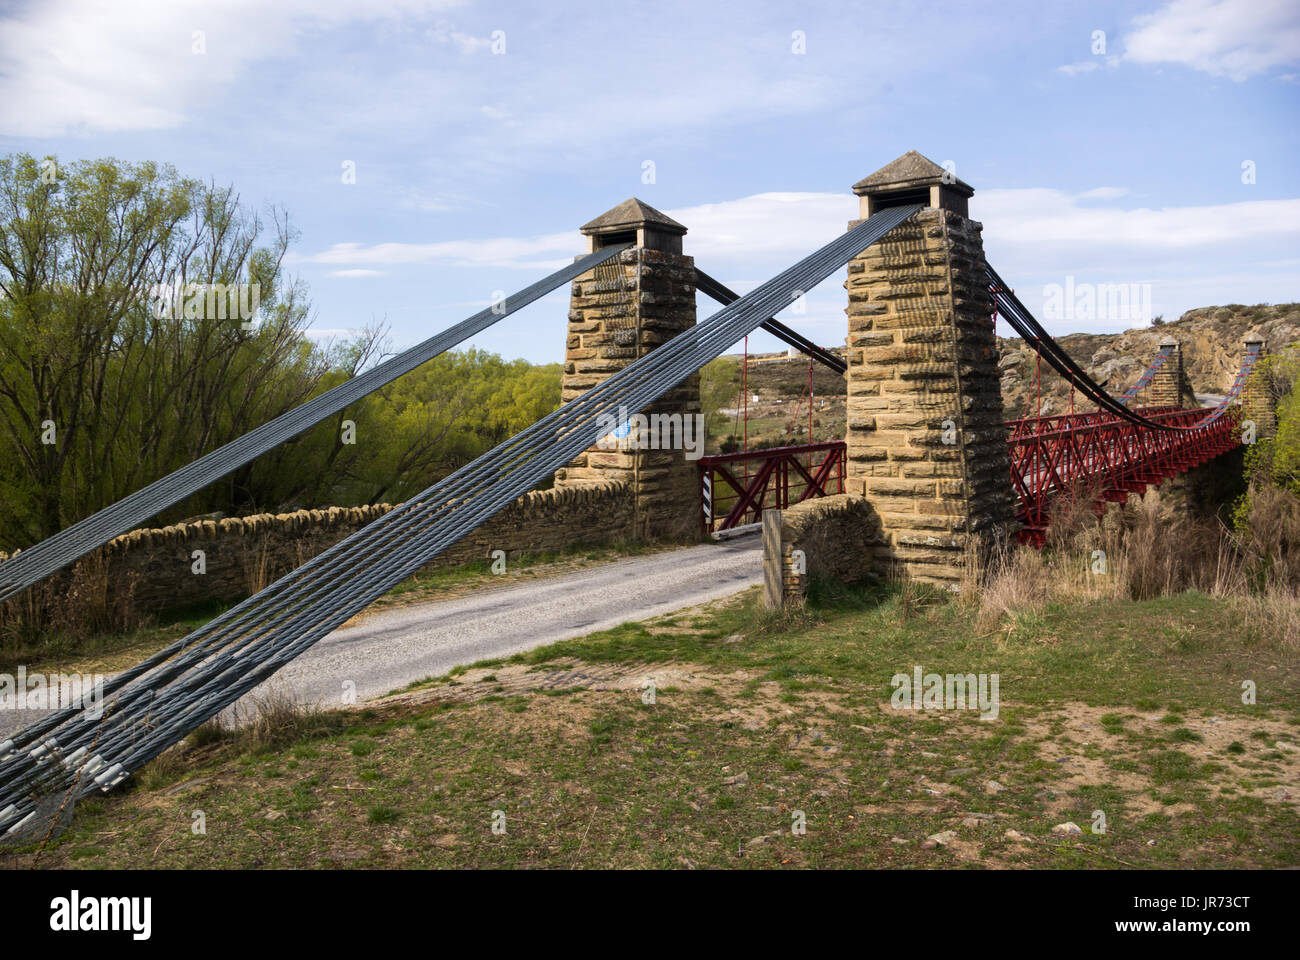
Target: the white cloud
pixel 551 251
pixel 1103 193
pixel 356 273
pixel 1088 66
pixel 1039 225
pixel 474 122
pixel 1227 38
pixel 1192 255
pixel 464 42
pixel 762 227
pixel 439 201
pixel 1051 224
pixel 426 94
pixel 1045 228
pixel 780 226
pixel 83 66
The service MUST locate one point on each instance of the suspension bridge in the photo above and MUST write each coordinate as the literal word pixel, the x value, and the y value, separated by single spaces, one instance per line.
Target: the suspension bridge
pixel 926 445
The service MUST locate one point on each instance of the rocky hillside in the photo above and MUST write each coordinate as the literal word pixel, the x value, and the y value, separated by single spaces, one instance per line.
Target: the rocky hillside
pixel 1211 340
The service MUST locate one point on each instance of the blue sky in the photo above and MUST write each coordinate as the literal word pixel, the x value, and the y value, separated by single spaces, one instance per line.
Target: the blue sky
pixel 477 159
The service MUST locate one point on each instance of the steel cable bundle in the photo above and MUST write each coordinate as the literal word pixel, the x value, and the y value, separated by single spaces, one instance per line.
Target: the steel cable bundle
pixel 723 295
pixel 158 702
pixel 1032 332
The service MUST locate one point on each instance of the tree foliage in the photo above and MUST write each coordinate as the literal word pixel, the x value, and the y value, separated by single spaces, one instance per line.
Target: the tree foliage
pixel 719 389
pixel 418 428
pixel 107 383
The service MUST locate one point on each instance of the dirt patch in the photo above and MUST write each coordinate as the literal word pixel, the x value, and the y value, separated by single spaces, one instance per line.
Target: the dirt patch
pixel 1068 732
pixel 563 674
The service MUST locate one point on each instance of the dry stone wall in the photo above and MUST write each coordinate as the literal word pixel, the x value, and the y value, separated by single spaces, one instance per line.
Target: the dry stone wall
pixel 835 535
pixel 153 569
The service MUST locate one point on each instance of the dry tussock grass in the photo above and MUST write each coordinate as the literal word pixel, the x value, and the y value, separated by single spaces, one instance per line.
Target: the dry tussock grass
pixel 1132 554
pixel 68 609
pixel 274 719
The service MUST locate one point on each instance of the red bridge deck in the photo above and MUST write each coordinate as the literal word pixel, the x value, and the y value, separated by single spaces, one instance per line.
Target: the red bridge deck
pixel 1105 456
pixel 1097 453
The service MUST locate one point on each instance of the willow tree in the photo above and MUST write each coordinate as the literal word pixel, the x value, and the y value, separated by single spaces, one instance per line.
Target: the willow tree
pixel 116 364
pixel 122 358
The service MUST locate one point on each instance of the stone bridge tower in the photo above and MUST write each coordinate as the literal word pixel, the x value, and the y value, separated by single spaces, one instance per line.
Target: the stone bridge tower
pixel 1169 385
pixel 925 437
pixel 1257 402
pixel 619 312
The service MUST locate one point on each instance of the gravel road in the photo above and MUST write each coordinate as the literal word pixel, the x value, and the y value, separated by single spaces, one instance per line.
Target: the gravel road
pixel 394 647
pixel 388 649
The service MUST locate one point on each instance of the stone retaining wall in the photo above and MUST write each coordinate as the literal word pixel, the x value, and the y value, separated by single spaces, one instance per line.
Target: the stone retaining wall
pixel 151 572
pixel 836 534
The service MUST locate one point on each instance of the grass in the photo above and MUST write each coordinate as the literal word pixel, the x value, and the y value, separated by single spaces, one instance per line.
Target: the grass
pixel 47 651
pixel 759 721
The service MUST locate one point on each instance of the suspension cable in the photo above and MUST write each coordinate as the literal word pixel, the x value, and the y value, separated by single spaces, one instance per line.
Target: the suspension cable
pixel 157 702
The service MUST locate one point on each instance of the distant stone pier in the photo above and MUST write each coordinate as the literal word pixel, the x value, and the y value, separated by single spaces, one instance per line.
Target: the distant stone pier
pixel 1169 385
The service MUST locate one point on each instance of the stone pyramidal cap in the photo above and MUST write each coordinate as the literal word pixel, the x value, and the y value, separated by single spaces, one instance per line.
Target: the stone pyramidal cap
pixel 632 213
pixel 910 170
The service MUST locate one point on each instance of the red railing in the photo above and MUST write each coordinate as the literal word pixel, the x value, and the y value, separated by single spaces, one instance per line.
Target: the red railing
pixel 738 487
pixel 1106 456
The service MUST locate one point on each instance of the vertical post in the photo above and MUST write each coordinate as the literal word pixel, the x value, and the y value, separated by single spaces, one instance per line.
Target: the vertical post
pixel 773 574
pixel 706 485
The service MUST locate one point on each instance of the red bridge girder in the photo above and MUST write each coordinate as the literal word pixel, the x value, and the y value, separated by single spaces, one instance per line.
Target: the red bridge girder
pixel 738 487
pixel 1101 453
